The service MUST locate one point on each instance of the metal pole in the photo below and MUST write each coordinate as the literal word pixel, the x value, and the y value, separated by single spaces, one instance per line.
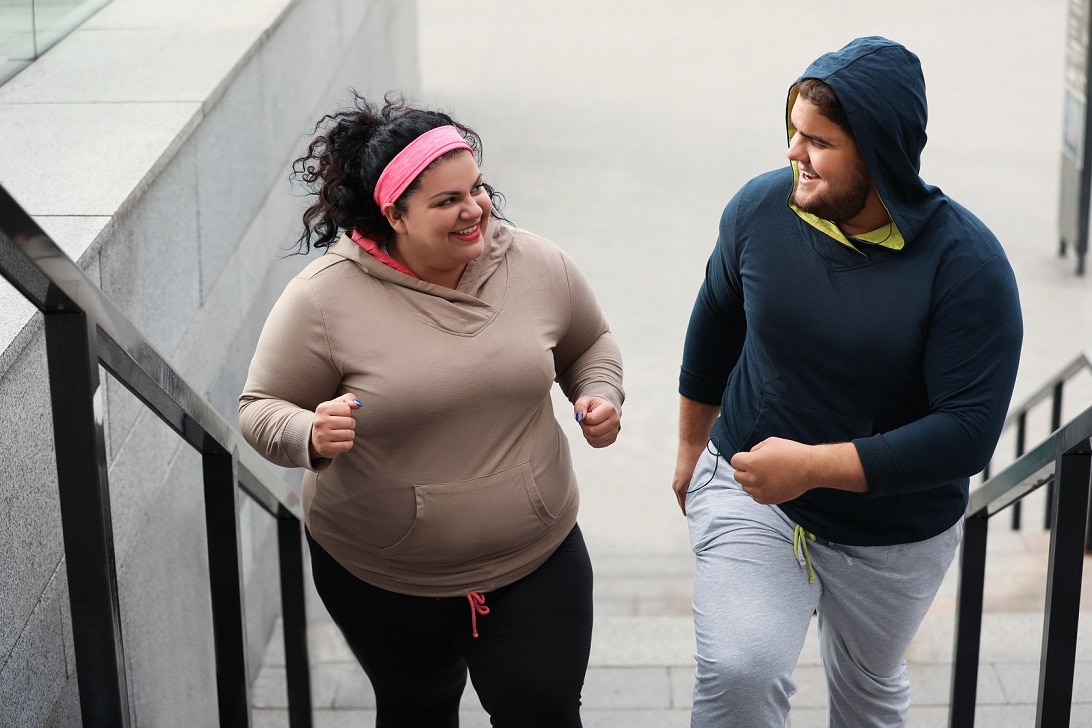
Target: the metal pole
pixel 1055 423
pixel 1063 599
pixel 1021 443
pixel 968 630
pixel 84 488
pixel 294 617
pixel 226 582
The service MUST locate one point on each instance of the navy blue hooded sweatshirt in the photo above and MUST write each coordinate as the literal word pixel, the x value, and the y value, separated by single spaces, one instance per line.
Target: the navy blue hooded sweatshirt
pixel 911 354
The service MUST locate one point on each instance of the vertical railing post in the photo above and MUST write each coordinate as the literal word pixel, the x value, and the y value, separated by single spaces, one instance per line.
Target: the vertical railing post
pixel 226 582
pixel 1055 423
pixel 1063 599
pixel 968 629
pixel 1021 444
pixel 80 448
pixel 294 617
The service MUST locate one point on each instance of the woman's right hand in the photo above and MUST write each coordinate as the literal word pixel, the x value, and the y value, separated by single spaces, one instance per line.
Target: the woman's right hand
pixel 334 428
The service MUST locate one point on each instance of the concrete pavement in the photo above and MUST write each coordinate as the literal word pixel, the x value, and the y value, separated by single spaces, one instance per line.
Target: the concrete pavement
pixel 619 130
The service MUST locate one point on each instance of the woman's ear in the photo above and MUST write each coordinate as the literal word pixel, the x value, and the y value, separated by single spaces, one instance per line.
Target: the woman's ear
pixel 395 218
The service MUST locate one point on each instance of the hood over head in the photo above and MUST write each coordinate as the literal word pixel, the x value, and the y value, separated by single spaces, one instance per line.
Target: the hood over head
pixel 881 88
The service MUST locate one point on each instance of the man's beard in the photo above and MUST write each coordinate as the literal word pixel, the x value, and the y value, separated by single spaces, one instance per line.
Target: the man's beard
pixel 840 203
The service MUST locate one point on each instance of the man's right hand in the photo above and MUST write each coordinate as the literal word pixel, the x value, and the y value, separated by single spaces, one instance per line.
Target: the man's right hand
pixel 681 482
pixel 334 428
pixel 695 421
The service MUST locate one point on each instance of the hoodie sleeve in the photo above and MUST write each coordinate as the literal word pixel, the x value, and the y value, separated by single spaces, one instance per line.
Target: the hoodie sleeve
pixel 292 372
pixel 587 358
pixel 970 363
pixel 718 325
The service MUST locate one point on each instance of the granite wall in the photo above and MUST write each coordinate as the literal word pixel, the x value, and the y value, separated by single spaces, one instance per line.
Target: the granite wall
pixel 153 145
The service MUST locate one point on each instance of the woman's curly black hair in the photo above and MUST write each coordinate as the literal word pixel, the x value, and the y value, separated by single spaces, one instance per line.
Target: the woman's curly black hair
pixel 351 149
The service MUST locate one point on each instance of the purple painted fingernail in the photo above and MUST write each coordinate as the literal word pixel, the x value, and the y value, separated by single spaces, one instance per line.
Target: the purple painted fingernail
pixel 579 416
pixel 358 403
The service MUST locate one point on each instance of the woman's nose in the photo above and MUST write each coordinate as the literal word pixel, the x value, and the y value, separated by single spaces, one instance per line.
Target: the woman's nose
pixel 472 211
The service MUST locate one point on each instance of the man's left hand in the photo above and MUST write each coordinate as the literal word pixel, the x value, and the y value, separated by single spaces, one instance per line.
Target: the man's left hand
pixel 775 470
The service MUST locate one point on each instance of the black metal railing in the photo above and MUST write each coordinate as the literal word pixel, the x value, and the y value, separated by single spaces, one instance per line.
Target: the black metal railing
pixel 84 328
pixel 1062 463
pixel 1053 389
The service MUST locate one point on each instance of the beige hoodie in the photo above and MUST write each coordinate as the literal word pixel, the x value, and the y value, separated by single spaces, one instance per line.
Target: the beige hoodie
pixel 460 477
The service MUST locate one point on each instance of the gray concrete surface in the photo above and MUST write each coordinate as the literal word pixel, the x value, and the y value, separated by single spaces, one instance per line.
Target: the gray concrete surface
pixel 619 130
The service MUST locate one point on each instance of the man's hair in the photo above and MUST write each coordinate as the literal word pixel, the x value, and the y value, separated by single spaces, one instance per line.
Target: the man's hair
pixel 822 95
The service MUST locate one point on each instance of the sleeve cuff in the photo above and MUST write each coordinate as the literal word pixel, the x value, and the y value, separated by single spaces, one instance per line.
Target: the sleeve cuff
pixel 297 442
pixel 881 467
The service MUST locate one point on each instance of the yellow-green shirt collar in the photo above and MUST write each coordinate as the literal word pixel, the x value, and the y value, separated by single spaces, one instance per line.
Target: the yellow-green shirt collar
pixel 887 236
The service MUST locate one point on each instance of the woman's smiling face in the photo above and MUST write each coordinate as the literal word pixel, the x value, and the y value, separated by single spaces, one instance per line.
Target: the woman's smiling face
pixel 445 222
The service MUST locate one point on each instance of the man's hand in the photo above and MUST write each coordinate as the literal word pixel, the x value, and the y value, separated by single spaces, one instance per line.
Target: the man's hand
pixel 695 420
pixel 777 470
pixel 599 421
pixel 334 428
pixel 684 471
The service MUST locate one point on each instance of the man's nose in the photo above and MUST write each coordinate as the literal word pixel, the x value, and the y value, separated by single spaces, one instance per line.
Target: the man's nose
pixel 795 152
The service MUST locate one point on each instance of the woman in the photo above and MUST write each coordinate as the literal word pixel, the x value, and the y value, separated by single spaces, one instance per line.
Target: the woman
pixel 409 371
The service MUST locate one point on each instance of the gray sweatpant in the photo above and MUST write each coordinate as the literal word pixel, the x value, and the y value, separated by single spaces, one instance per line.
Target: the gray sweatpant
pixel 753 604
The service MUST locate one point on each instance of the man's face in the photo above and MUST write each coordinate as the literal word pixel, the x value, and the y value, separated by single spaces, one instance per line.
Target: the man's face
pixel 833 181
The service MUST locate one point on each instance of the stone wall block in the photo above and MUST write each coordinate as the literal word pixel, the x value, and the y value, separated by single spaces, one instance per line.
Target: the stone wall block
pixel 84 173
pixel 268 246
pixel 34 675
pixel 31 539
pixel 263 590
pixel 233 171
pixel 296 67
pixel 137 480
pixel 166 607
pixel 199 356
pixel 66 711
pixel 151 267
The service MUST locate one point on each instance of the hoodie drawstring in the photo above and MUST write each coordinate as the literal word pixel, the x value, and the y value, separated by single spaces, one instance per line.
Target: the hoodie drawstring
pixel 800 538
pixel 477 606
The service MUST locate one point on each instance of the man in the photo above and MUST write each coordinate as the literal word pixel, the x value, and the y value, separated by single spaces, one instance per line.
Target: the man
pixel 858 334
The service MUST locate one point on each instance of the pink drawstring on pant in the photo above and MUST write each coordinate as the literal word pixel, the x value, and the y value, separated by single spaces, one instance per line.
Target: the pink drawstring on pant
pixel 477 606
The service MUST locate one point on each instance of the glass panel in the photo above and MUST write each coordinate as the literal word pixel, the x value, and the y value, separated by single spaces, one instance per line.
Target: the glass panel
pixel 28 28
pixel 16 36
pixel 54 19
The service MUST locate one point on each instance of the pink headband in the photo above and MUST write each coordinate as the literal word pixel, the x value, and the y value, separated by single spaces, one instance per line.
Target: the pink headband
pixel 412 160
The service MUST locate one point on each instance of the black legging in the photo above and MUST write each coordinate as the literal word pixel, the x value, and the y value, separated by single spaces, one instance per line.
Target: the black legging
pixel 527 663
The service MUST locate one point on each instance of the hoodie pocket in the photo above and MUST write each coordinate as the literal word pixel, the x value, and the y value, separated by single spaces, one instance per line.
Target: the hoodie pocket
pixel 781 418
pixel 466 520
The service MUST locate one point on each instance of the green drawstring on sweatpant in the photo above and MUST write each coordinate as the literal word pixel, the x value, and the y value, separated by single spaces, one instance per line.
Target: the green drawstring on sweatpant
pixel 800 538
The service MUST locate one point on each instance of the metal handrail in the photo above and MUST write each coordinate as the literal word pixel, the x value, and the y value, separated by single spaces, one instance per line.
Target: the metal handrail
pixel 1080 363
pixel 83 328
pixel 1062 461
pixel 1018 416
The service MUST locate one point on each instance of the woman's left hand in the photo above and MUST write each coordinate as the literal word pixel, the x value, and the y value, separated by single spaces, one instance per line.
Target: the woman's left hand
pixel 599 421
